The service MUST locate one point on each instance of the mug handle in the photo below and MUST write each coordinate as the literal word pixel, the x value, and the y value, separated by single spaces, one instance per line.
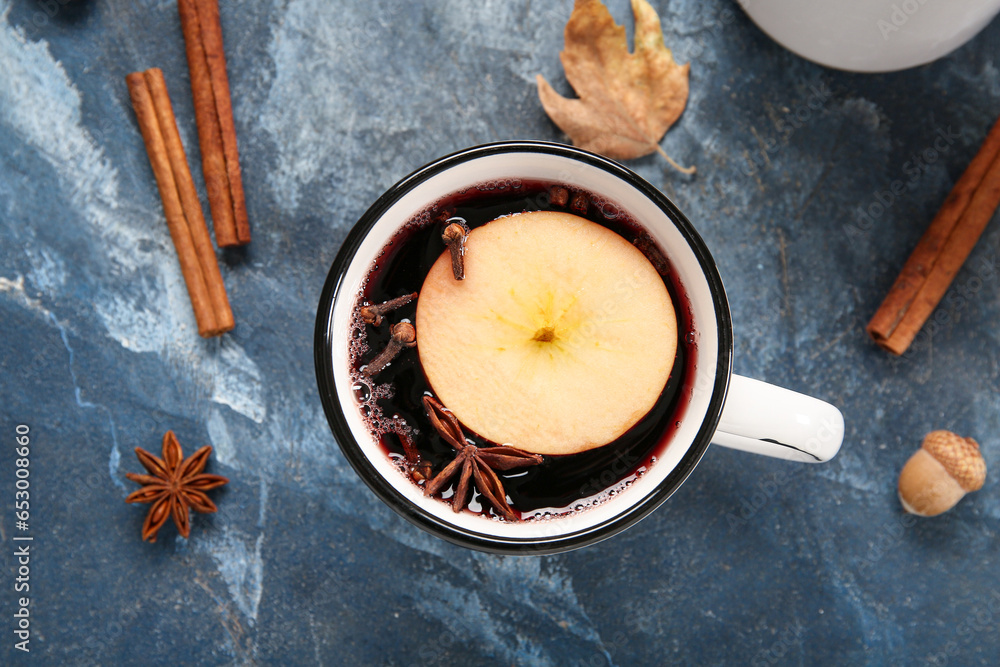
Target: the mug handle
pixel 764 419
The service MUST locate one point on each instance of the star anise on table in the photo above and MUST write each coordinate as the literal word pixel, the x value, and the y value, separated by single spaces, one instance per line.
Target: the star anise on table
pixel 475 464
pixel 174 486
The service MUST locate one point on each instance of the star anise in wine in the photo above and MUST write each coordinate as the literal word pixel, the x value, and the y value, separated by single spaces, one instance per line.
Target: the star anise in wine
pixel 174 486
pixel 476 464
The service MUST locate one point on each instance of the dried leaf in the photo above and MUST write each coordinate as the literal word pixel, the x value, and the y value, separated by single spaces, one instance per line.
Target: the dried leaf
pixel 627 101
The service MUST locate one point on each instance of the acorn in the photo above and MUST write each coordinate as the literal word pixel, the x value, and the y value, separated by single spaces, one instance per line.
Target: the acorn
pixel 940 473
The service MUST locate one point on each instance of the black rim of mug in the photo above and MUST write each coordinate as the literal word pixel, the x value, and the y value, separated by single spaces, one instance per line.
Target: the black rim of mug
pixel 323 354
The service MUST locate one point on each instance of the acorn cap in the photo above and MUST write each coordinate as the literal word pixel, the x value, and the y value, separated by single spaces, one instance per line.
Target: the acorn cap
pixel 959 456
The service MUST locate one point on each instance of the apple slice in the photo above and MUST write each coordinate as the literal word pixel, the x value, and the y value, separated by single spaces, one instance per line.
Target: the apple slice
pixel 559 339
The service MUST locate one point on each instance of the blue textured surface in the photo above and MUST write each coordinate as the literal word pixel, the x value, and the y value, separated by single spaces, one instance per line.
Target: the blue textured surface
pixel 753 561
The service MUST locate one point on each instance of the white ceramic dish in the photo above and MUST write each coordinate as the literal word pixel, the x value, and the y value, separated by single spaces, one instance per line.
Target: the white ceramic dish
pixel 871 35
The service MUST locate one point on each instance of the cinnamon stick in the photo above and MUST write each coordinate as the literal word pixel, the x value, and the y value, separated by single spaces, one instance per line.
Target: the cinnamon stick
pixel 214 116
pixel 185 221
pixel 942 250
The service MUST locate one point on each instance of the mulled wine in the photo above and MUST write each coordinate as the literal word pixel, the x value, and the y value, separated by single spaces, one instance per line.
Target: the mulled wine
pixel 391 401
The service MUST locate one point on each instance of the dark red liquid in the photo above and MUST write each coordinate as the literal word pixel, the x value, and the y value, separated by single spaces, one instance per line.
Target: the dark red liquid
pixel 562 483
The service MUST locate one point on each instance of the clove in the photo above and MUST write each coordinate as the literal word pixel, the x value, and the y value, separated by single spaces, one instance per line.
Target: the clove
pixel 404 335
pixel 372 314
pixel 647 246
pixel 420 470
pixel 454 236
pixel 558 196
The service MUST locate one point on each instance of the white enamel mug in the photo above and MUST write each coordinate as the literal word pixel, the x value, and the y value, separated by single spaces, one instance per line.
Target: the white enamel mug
pixel 871 35
pixel 720 407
